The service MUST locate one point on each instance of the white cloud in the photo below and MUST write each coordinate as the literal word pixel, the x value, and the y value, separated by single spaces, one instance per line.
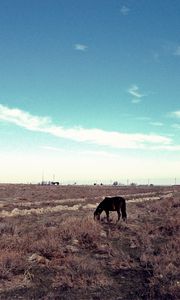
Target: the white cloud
pixel 134 91
pixel 80 47
pixel 95 136
pixel 124 10
pixel 23 119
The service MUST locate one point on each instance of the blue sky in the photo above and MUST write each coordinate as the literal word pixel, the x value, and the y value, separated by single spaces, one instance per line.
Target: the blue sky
pixel 89 91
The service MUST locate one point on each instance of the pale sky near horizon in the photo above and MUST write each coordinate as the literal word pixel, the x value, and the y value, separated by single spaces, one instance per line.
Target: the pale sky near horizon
pixel 90 91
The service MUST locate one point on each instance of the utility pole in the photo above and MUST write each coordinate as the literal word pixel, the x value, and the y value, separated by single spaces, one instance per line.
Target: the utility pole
pixel 42 176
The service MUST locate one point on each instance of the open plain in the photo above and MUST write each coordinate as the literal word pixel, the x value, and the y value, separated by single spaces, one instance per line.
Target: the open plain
pixel 52 248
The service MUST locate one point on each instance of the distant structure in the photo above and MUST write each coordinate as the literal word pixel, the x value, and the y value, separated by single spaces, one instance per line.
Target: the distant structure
pixel 133 184
pixel 55 182
pixel 115 183
pixel 49 183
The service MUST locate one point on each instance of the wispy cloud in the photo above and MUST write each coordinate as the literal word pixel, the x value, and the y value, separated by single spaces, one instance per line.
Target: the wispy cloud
pixel 124 10
pixel 177 51
pixel 167 147
pixel 159 124
pixel 176 126
pixel 135 92
pixel 170 48
pixel 22 118
pixel 136 100
pixel 95 136
pixel 156 56
pixel 143 118
pixel 175 114
pixel 80 47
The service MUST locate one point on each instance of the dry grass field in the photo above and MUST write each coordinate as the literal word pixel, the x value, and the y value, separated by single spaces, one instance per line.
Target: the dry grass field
pixel 51 247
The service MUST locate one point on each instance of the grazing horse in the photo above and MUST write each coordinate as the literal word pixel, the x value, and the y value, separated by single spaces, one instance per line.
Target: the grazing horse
pixel 111 204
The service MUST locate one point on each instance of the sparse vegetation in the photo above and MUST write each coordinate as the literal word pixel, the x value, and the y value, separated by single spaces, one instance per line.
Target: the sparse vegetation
pixel 65 254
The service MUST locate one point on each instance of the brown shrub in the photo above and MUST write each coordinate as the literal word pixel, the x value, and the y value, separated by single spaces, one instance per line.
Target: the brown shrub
pixel 11 263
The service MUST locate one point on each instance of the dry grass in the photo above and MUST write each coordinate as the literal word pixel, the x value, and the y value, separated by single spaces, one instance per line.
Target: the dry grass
pixel 162 247
pixel 67 253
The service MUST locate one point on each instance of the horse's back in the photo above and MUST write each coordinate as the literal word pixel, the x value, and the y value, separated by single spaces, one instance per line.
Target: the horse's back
pixel 113 203
pixel 115 199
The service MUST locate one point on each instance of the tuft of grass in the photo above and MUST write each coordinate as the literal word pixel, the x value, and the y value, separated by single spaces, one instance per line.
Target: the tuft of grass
pixel 12 263
pixel 7 228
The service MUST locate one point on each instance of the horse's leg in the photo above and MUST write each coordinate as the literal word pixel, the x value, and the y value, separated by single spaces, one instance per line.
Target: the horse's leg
pixel 119 215
pixel 107 214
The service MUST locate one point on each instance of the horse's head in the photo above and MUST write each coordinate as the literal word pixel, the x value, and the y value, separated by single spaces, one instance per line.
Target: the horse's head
pixel 97 213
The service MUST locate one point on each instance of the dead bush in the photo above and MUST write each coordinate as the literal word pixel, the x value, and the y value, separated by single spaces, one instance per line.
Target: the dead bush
pixel 7 228
pixel 78 272
pixel 80 228
pixel 11 263
pixel 49 246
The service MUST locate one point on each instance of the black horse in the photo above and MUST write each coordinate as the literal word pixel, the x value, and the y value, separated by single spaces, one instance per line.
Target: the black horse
pixel 111 204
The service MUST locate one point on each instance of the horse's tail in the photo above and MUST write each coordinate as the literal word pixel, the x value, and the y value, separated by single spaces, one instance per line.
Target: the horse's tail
pixel 123 210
